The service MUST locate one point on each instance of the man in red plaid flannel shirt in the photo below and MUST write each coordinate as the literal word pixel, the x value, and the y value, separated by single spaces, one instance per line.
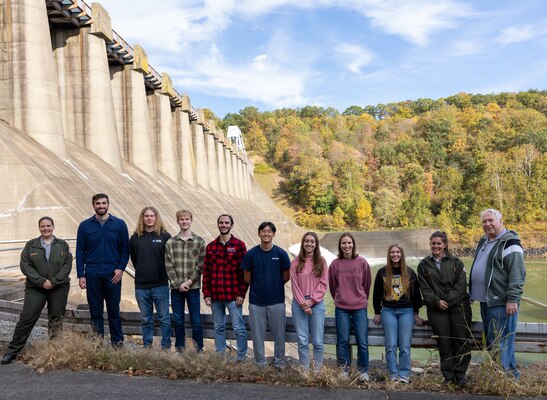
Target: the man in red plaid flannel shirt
pixel 224 286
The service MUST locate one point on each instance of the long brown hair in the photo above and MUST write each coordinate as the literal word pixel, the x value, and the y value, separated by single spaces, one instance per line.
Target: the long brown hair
pixel 405 276
pixel 318 260
pixel 354 253
pixel 158 226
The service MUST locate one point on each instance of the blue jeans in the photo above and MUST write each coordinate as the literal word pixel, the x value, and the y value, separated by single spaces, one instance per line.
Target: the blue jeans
pixel 499 331
pixel 218 309
pixel 100 290
pixel 398 324
pixel 309 326
pixel 147 299
pixel 177 303
pixel 344 320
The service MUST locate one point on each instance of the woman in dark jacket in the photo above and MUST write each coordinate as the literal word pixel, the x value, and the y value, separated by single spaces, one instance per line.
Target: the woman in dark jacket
pixel 444 289
pixel 46 262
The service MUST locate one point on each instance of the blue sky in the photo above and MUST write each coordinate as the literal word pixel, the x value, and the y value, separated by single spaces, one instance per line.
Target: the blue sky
pixel 228 54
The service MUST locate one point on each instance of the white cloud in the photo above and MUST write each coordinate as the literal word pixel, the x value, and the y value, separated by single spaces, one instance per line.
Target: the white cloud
pixel 174 26
pixel 357 56
pixel 261 79
pixel 414 20
pixel 176 34
pixel 187 21
pixel 465 48
pixel 259 62
pixel 516 34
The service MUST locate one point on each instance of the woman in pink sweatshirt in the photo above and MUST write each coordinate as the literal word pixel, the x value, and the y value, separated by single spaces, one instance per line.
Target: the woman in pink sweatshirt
pixel 349 284
pixel 309 285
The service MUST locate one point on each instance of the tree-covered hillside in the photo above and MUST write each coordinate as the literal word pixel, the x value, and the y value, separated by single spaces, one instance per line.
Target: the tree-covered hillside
pixel 410 164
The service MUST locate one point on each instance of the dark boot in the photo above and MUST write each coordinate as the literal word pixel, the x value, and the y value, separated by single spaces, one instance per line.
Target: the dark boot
pixel 8 358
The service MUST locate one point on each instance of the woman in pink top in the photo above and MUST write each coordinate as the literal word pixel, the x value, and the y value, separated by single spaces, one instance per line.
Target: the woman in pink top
pixel 309 285
pixel 349 284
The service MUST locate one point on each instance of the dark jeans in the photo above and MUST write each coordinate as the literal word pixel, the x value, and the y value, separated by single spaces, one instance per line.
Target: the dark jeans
pixel 177 304
pixel 100 289
pixel 453 330
pixel 35 300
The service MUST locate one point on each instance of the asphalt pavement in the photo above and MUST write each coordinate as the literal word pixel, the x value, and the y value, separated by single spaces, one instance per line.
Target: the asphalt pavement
pixel 21 382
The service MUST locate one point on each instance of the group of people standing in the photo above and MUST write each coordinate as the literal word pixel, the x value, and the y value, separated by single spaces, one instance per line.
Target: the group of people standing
pixel 496 281
pixel 183 267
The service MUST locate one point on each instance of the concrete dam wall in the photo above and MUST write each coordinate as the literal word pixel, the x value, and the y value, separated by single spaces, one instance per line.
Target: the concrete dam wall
pixel 83 112
pixel 375 243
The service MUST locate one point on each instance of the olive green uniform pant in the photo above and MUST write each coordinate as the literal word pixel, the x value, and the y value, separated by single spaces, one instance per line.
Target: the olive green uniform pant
pixel 35 300
pixel 453 330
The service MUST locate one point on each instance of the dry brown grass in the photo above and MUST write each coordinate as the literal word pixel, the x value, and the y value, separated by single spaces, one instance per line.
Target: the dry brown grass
pixel 75 352
pixel 488 378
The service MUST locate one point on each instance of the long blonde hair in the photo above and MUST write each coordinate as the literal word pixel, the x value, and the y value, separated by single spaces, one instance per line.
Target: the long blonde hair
pixel 405 276
pixel 158 226
pixel 318 260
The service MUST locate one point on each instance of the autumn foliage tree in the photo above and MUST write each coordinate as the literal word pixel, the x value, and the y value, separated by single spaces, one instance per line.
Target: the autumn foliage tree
pixel 410 164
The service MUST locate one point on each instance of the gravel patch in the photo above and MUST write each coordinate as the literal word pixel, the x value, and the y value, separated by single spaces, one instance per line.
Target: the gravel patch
pixel 7 328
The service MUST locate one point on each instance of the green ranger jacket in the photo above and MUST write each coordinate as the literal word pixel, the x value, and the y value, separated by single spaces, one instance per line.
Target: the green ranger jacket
pixel 448 284
pixel 38 269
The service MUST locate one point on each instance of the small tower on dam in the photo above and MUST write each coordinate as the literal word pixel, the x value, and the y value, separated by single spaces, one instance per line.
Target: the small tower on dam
pixel 82 111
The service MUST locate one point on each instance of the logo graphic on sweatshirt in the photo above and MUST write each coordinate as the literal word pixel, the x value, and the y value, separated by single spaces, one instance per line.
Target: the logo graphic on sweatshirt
pixel 397 288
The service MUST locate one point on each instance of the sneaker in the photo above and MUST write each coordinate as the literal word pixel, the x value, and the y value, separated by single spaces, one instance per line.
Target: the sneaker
pixel 394 378
pixel 404 379
pixel 363 377
pixel 344 375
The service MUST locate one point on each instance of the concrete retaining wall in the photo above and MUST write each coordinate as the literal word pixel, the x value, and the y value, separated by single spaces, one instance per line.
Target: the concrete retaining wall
pixel 375 243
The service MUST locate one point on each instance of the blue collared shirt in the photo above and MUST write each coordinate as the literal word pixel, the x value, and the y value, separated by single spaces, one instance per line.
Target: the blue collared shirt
pixel 101 249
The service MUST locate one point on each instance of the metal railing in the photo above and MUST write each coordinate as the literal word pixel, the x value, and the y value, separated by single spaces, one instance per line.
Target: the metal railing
pixel 531 337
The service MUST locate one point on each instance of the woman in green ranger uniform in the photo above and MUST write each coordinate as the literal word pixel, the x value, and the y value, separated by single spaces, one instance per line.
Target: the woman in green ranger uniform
pixel 46 262
pixel 444 289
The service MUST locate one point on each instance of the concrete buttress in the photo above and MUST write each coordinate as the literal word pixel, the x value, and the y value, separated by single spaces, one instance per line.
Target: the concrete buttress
pixel 221 167
pixel 164 135
pixel 212 162
pixel 229 172
pixel 202 168
pixel 86 93
pixel 133 118
pixel 185 147
pixel 29 96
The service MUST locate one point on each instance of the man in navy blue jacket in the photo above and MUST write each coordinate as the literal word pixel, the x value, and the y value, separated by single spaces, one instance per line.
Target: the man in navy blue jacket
pixel 102 253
